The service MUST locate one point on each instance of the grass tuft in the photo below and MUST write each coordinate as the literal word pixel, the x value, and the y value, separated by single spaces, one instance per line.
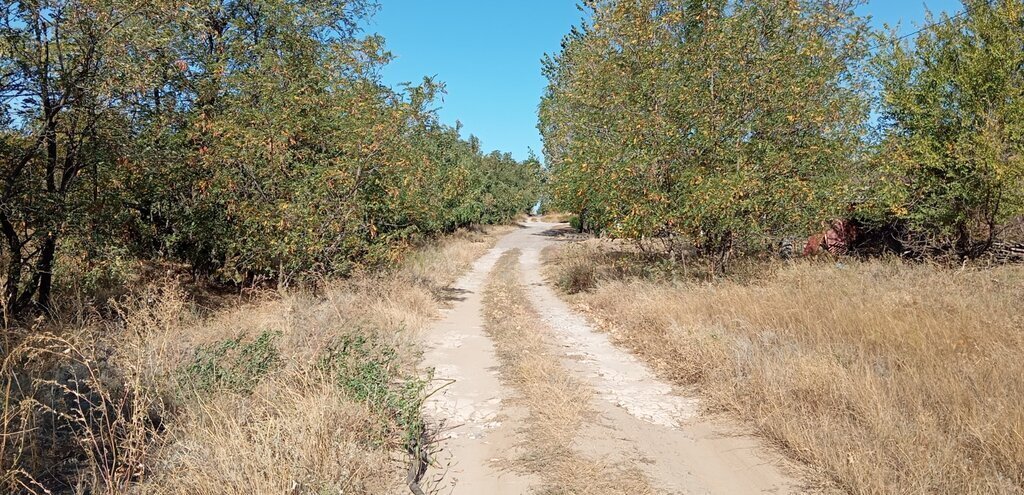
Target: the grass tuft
pixel 577 276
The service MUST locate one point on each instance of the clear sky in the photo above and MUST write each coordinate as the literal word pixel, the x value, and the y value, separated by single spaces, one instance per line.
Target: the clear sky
pixel 488 54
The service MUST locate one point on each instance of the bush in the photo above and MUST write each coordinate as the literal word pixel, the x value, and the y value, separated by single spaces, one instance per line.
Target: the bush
pixel 369 372
pixel 232 364
pixel 577 275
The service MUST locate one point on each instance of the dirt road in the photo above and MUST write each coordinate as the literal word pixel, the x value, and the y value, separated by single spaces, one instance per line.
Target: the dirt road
pixel 633 421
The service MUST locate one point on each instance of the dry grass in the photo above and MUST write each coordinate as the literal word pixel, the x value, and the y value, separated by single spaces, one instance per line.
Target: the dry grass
pixel 885 377
pixel 297 433
pixel 289 393
pixel 555 217
pixel 558 404
pixel 70 424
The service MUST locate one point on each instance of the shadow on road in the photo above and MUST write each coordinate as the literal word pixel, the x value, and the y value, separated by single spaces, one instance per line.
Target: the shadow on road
pixel 452 294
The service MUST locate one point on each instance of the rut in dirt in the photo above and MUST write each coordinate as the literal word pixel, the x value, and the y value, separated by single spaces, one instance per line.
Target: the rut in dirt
pixel 536 400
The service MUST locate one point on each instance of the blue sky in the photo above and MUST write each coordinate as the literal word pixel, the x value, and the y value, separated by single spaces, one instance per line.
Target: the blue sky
pixel 488 54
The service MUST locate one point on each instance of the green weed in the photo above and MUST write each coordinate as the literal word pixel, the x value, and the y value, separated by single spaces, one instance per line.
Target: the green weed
pixel 369 372
pixel 231 364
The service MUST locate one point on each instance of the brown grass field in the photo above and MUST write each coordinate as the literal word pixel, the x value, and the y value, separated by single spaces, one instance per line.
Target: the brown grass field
pixel 884 377
pixel 289 392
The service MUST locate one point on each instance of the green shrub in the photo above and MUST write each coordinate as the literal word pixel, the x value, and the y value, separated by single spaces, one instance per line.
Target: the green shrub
pixel 368 371
pixel 231 364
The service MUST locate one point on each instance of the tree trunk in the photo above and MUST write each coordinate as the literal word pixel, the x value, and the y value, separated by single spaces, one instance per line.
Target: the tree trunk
pixel 43 277
pixel 44 273
pixel 13 282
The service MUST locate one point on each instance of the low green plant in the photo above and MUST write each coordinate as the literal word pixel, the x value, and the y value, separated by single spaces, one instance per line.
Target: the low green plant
pixel 369 372
pixel 232 364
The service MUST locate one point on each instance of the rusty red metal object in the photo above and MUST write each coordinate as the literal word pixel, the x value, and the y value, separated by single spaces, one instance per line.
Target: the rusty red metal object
pixel 837 239
pixel 814 244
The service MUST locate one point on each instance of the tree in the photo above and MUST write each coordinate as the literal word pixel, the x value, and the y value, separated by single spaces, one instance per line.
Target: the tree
pixel 65 64
pixel 278 154
pixel 727 123
pixel 951 164
pixel 250 139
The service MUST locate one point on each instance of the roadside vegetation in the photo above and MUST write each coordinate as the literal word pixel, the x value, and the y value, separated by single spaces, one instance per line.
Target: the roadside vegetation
pixel 700 140
pixel 719 129
pixel 277 392
pixel 217 232
pixel 220 234
pixel 248 142
pixel 883 376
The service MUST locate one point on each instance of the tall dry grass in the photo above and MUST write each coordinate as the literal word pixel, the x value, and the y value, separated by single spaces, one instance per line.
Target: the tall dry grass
pixel 554 217
pixel 886 377
pixel 295 392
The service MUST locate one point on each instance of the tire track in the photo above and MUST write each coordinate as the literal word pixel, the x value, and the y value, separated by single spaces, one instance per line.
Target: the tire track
pixel 629 429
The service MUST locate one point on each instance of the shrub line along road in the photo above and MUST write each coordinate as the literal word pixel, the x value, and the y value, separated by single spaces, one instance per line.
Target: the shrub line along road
pixel 642 423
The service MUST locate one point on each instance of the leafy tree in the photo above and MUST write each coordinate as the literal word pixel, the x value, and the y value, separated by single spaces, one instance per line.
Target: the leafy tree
pixel 728 123
pixel 66 67
pixel 296 161
pixel 951 164
pixel 251 139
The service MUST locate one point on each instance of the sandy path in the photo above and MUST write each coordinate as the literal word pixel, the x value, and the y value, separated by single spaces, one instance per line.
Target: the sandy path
pixel 641 420
pixel 478 427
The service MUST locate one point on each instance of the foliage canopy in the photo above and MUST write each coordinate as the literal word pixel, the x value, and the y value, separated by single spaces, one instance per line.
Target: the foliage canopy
pixel 734 124
pixel 952 161
pixel 726 122
pixel 250 139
